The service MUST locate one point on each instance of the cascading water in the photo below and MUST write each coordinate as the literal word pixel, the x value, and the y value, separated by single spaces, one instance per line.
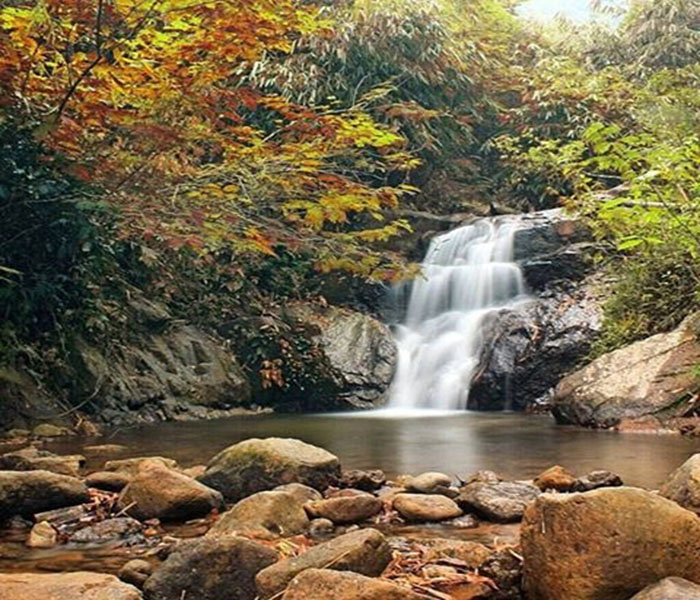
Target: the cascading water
pixel 467 274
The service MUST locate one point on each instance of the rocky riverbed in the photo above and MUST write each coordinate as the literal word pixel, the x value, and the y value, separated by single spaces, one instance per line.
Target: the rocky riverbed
pixel 280 518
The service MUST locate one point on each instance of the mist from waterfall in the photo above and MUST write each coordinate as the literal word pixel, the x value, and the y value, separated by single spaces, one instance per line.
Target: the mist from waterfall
pixel 466 275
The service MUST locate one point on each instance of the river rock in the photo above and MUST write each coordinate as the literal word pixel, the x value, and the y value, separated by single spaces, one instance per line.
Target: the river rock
pixel 321 528
pixel 157 492
pixel 650 377
pixel 365 551
pixel 426 507
pixel 266 515
pixel 608 543
pixel 65 586
pixel 33 459
pixel 683 485
pixel 324 584
pixel 671 588
pixel 472 554
pixel 505 569
pixel 596 480
pixel 136 572
pixel 345 509
pixel 504 502
pixel 42 535
pixel 30 492
pixel 555 478
pixel 210 569
pixel 367 481
pixel 111 481
pixel 109 530
pixel 303 493
pixel 429 483
pixel 261 464
pixel 131 466
pixel 47 430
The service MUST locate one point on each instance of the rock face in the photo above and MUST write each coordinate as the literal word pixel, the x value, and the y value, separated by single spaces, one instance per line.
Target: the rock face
pixel 671 588
pixel 360 349
pixel 345 509
pixel 504 501
pixel 366 552
pixel 606 545
pixel 323 584
pixel 157 492
pixel 30 492
pixel 256 465
pixel 426 507
pixel 65 586
pixel 266 515
pixel 32 459
pixel 210 569
pixel 683 486
pixel 650 377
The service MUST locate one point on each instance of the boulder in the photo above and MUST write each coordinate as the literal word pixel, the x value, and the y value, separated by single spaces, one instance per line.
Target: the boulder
pixel 111 481
pixel 426 507
pixel 303 493
pixel 606 544
pixel 210 569
pixel 33 459
pixel 136 572
pixel 652 377
pixel 367 481
pixel 257 465
pixel 30 492
pixel 157 492
pixel 130 466
pixel 555 478
pixel 429 483
pixel 671 588
pixel 345 509
pixel 365 551
pixel 42 535
pixel 596 480
pixel 503 502
pixel 109 530
pixel 65 586
pixel 266 515
pixel 324 584
pixel 683 485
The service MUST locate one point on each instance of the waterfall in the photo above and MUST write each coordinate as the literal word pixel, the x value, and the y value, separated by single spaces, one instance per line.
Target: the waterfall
pixel 466 275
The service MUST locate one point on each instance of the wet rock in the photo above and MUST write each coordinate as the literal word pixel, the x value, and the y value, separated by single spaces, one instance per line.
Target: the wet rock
pixel 29 492
pixel 42 535
pixel 108 530
pixel 503 502
pixel 429 483
pixel 157 492
pixel 111 481
pixel 303 493
pixel 347 509
pixel 367 481
pixel 595 480
pixel 608 543
pixel 46 430
pixel 651 377
pixel 555 478
pixel 683 485
pixel 321 528
pixel 472 554
pixel 131 466
pixel 136 572
pixel 65 586
pixel 671 588
pixel 211 569
pixel 365 551
pixel 323 584
pixel 261 464
pixel 32 459
pixel 266 515
pixel 426 507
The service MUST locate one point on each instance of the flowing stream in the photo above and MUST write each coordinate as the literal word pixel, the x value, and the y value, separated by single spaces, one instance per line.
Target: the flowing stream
pixel 467 274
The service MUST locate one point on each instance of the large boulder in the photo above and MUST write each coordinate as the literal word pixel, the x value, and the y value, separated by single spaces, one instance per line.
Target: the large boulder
pixel 65 586
pixel 33 459
pixel 503 501
pixel 210 569
pixel 671 588
pixel 652 377
pixel 366 552
pixel 345 509
pixel 30 492
pixel 683 485
pixel 606 545
pixel 256 465
pixel 426 507
pixel 265 515
pixel 323 584
pixel 157 492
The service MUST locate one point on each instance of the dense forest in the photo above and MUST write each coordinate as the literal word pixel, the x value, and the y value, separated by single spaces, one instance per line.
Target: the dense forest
pixel 222 159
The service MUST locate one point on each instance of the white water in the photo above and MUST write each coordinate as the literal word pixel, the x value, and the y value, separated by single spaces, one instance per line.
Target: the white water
pixel 467 274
